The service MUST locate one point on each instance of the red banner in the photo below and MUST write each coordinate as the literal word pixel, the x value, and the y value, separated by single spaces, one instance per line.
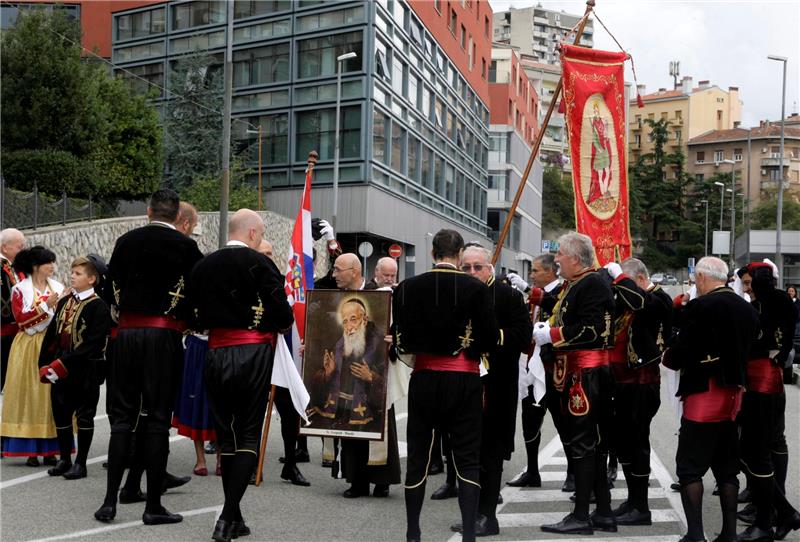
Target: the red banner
pixel 594 110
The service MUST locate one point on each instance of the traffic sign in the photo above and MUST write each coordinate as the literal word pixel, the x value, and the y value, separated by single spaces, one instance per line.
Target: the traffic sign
pixel 395 251
pixel 365 249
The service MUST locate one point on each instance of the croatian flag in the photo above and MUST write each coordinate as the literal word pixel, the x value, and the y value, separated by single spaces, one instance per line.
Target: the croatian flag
pixel 299 280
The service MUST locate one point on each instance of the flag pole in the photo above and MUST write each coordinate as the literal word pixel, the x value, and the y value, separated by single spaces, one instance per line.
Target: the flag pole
pixel 312 161
pixel 537 143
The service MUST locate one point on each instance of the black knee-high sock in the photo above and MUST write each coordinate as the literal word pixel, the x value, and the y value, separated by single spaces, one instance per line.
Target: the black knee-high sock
pixel 451 472
pixel 85 437
pixel 155 448
pixel 241 468
pixel 118 449
pixel 532 449
pixel 728 500
pixel 601 491
pixel 637 492
pixel 135 460
pixel 491 478
pixel 692 498
pixel 414 499
pixel 289 426
pixel 568 455
pixel 585 475
pixel 780 463
pixel 763 494
pixel 468 497
pixel 65 443
pixel 225 462
pixel 302 443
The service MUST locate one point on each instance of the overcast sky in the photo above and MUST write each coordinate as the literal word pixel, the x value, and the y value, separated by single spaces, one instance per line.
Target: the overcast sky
pixel 726 42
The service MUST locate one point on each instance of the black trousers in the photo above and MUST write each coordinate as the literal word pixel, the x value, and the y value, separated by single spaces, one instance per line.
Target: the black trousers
pixel 589 433
pixel 144 379
pixel 762 423
pixel 635 405
pixel 707 445
pixel 238 383
pixel 76 394
pixel 450 402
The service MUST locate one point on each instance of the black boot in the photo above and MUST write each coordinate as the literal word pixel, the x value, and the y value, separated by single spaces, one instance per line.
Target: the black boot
pixel 531 476
pixel 468 497
pixel 292 474
pixel 118 450
pixel 414 499
pixel 637 511
pixel 728 494
pixel 155 449
pixel 692 498
pixel 601 491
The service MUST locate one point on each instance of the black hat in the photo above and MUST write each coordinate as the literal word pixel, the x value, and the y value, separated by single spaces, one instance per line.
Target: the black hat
pixel 100 266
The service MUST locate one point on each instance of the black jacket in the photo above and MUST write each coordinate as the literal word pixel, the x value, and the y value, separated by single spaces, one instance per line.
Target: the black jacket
pixel 583 318
pixel 651 324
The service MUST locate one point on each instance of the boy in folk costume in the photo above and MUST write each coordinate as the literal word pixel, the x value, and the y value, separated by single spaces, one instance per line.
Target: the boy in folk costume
pixel 70 360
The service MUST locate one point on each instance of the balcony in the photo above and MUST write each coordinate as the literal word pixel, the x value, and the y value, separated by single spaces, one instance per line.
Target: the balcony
pixel 677 121
pixel 636 126
pixel 775 161
pixel 541 20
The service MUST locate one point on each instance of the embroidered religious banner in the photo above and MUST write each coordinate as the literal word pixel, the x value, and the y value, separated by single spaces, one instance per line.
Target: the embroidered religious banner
pixel 594 110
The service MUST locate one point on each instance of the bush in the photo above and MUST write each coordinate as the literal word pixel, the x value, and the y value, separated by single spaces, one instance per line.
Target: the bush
pixel 52 171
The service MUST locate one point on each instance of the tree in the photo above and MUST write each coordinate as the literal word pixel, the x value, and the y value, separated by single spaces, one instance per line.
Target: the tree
pixel 765 215
pixel 56 103
pixel 558 201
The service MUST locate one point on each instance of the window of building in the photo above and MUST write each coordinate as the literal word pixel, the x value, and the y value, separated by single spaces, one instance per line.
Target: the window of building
pixel 316 130
pixel 262 31
pixel 138 52
pixel 198 13
pixel 463 37
pixel 483 68
pixel 416 34
pixel 678 114
pixel 381 66
pixel 248 8
pixel 719 156
pixel 453 26
pixel 486 26
pixel 399 75
pixel 438 174
pixel 440 111
pixel 144 79
pixel 426 165
pixel 261 65
pixel 331 19
pixel 317 56
pixel 493 72
pixel 379 137
pixel 701 157
pixel 678 135
pixel 637 139
pixel 412 154
pixel 141 24
pixel 737 155
pixel 437 5
pixel 274 140
pixel 261 100
pixel 197 42
pixel 413 88
pixel 664 115
pixel 10 12
pixel 699 177
pixel 398 146
pixel 321 93
pixel 449 183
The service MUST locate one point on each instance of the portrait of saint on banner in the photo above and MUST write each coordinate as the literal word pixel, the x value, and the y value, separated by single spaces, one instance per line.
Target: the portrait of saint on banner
pixel 345 363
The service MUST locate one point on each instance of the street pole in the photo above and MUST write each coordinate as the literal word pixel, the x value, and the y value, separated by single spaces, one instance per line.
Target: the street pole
pixel 705 243
pixel 339 60
pixel 260 131
pixel 747 201
pixel 721 201
pixel 226 132
pixel 779 220
pixel 733 213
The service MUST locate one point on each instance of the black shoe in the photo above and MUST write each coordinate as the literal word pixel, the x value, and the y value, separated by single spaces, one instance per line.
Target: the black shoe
pixel 569 484
pixel 76 472
pixel 622 508
pixel 782 528
pixel 754 533
pixel 486 527
pixel 745 496
pixel 106 514
pixel 355 491
pixel 105 464
pixel 49 461
pixel 592 498
pixel 211 448
pixel 526 478
pixel 446 491
pixel 240 529
pixel 293 475
pixel 435 468
pixel 687 538
pixel 381 490
pixel 223 530
pixel 252 480
pixel 127 496
pixel 634 517
pixel 300 456
pixel 161 517
pixel 61 467
pixel 675 486
pixel 570 525
pixel 747 514
pixel 603 523
pixel 32 462
pixel 171 481
pixel 499 498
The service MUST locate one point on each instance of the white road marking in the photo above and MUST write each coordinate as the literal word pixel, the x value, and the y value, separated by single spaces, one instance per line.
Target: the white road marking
pixel 656 538
pixel 518 494
pixel 126 525
pixel 401 416
pixel 535 519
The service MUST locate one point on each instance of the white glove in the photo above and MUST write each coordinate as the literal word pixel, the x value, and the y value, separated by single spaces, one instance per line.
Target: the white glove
pixel 517 282
pixel 614 269
pixel 541 333
pixel 51 375
pixel 327 230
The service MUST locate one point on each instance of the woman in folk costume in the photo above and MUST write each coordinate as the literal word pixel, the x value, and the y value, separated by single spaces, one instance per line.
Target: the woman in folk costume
pixel 28 429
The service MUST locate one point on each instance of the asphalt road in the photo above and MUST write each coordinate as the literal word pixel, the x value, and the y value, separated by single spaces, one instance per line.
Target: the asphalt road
pixel 36 507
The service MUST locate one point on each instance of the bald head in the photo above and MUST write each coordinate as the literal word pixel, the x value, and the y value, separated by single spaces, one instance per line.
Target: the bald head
pixel 248 227
pixel 386 272
pixel 347 272
pixel 187 218
pixel 11 242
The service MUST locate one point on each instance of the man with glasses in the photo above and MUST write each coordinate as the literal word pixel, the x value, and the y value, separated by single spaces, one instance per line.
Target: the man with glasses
pixel 445 319
pixel 499 384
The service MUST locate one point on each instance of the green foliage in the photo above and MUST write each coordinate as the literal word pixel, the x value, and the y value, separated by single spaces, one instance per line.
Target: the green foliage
pixel 558 201
pixel 103 139
pixel 204 193
pixel 765 215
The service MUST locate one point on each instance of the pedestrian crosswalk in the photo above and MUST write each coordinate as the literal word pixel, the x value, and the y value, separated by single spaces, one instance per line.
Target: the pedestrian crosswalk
pixel 524 510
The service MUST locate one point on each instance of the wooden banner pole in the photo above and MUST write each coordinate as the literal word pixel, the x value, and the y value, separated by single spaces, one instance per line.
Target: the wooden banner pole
pixel 264 435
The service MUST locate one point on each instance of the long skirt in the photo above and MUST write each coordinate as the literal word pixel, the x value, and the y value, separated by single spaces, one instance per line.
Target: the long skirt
pixel 27 429
pixel 192 416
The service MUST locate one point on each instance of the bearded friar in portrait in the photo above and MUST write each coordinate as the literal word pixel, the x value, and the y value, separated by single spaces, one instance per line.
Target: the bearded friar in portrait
pixel 348 389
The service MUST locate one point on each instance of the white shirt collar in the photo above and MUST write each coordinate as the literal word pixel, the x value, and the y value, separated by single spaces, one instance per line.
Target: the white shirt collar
pixel 84 294
pixel 650 287
pixel 235 243
pixel 3 256
pixel 160 223
pixel 549 287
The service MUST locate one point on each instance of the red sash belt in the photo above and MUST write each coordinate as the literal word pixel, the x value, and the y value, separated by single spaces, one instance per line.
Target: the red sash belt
pixel 10 329
pixel 585 359
pixel 718 404
pixel 764 376
pixel 221 337
pixel 135 320
pixel 459 364
pixel 620 352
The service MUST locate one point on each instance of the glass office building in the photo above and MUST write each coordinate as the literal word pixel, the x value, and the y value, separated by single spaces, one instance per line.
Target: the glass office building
pixel 414 133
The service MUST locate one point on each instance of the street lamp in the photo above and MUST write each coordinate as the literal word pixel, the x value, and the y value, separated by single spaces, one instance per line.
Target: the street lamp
pixel 259 161
pixel 339 60
pixel 705 243
pixel 732 190
pixel 721 201
pixel 779 220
